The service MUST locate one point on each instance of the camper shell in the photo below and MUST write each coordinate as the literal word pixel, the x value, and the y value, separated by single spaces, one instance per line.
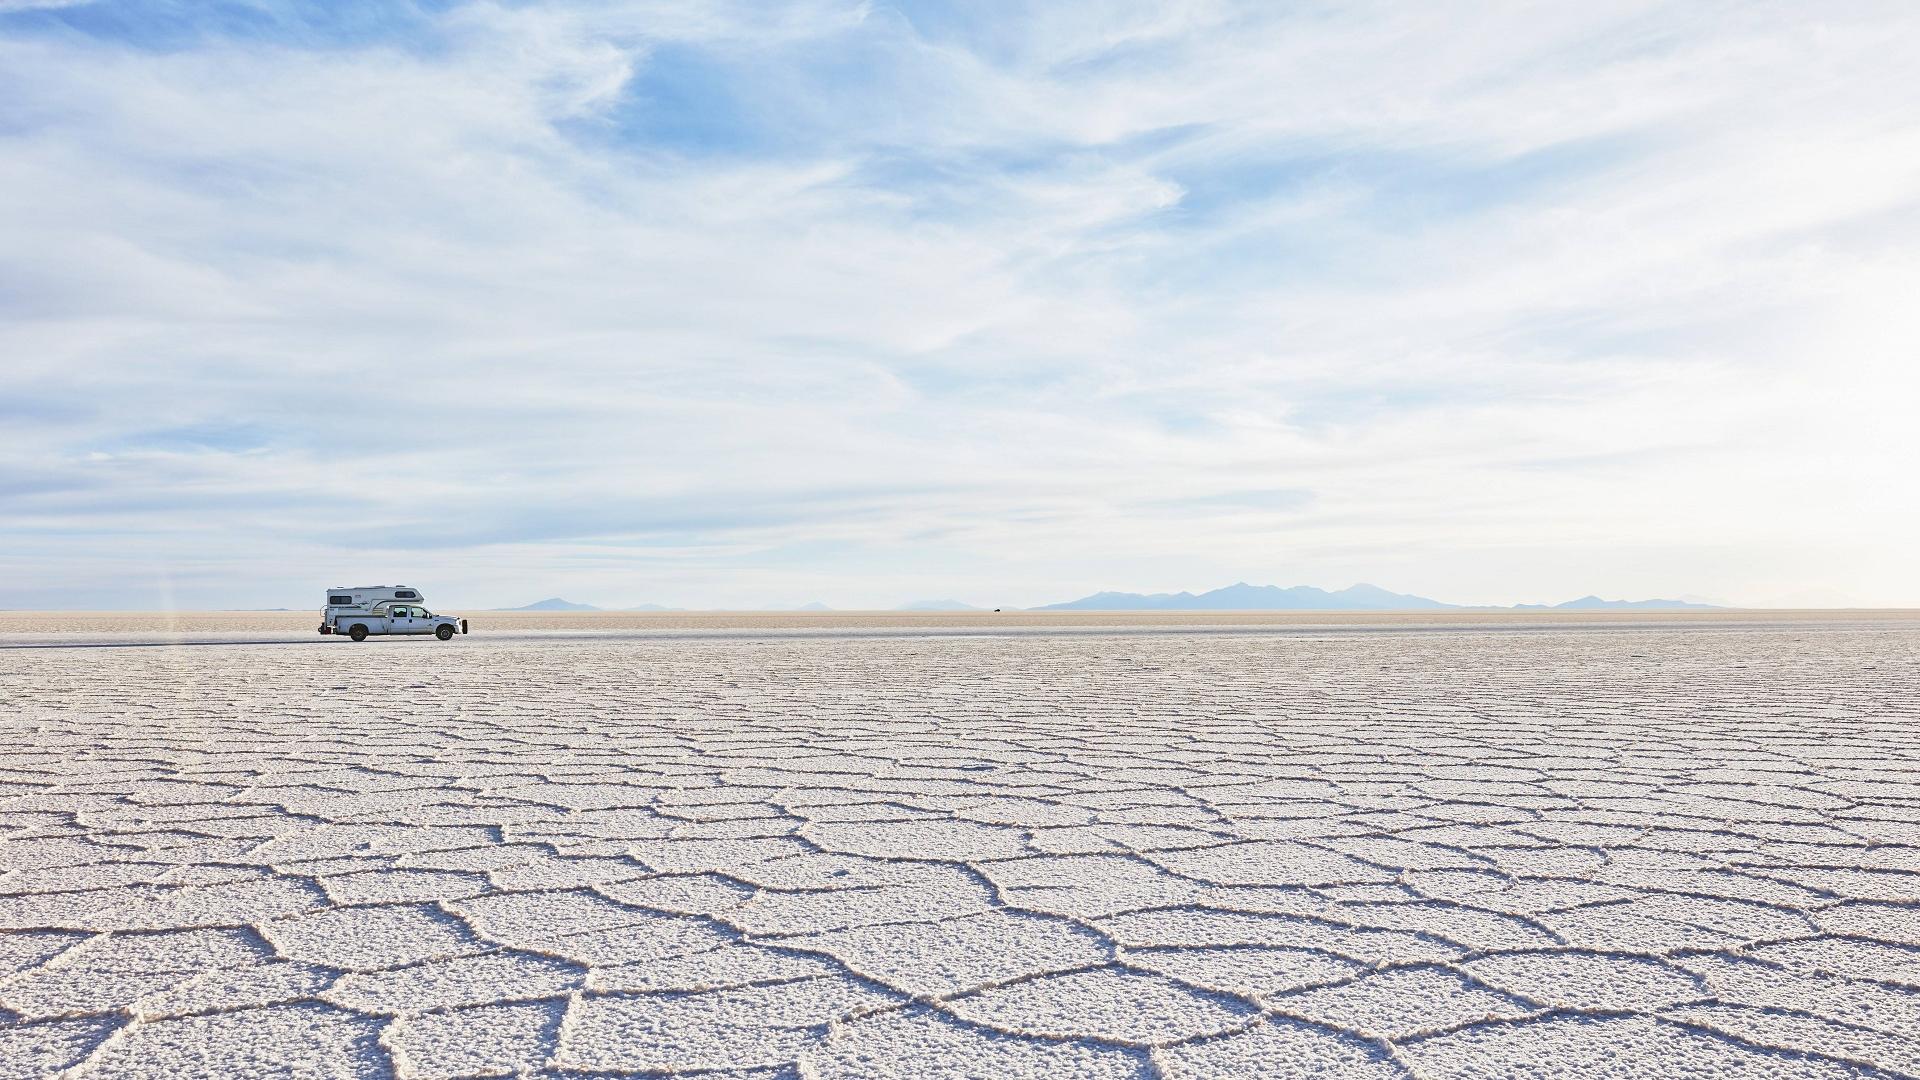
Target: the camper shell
pixel 359 611
pixel 363 597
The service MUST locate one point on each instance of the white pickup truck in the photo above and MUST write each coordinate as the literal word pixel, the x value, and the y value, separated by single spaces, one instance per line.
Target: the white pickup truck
pixel 362 611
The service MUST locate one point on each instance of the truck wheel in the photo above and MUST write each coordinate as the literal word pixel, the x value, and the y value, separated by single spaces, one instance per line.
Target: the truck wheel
pixel 445 633
pixel 358 633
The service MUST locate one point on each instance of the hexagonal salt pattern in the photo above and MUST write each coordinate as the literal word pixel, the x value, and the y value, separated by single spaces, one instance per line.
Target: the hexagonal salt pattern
pixel 1687 851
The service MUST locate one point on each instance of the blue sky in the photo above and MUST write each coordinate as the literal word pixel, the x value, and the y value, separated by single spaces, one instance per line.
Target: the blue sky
pixel 753 304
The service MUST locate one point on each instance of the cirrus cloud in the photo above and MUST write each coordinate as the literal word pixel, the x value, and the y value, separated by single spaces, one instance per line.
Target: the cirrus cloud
pixel 739 305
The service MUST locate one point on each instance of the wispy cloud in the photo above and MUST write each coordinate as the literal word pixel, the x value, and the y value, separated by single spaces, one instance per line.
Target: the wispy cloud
pixel 745 304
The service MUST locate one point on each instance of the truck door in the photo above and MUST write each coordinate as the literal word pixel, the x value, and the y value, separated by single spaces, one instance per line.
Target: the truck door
pixel 406 620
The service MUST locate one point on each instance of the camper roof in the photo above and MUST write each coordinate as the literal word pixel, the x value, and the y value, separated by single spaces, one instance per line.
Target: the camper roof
pixel 369 594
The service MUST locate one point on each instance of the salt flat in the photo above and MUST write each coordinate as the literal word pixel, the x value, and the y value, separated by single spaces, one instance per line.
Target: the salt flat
pixel 1179 847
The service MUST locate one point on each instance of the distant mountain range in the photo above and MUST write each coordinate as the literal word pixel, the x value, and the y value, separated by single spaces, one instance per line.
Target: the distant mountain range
pixel 554 603
pixel 1594 603
pixel 1236 597
pixel 1245 597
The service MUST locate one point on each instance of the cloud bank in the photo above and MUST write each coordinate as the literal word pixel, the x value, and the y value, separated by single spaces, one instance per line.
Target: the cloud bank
pixel 743 305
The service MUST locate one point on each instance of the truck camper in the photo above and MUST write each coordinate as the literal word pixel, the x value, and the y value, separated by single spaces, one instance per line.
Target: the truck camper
pixel 360 611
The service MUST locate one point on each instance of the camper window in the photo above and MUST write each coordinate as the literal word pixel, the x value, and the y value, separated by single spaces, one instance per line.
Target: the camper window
pixel 340 600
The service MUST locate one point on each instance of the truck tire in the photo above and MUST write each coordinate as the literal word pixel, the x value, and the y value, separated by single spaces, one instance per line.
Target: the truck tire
pixel 445 632
pixel 358 633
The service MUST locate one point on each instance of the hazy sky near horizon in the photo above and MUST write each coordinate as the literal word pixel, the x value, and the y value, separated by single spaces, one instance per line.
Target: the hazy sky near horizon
pixel 751 304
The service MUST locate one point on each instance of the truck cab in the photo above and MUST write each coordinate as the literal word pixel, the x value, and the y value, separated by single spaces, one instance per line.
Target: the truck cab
pixel 362 611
